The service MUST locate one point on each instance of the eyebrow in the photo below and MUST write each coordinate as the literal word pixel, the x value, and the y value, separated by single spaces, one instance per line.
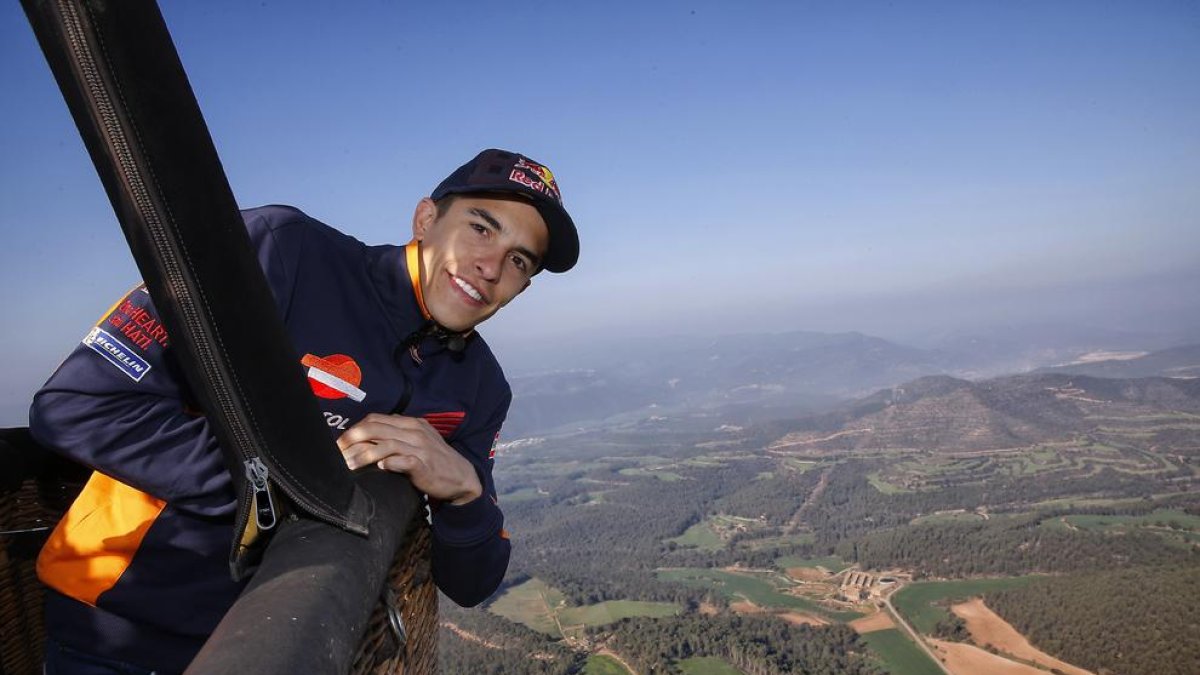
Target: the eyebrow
pixel 495 225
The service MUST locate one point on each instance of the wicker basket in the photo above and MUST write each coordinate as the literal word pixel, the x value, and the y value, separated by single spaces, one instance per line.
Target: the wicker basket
pixel 36 489
pixel 410 595
pixel 27 514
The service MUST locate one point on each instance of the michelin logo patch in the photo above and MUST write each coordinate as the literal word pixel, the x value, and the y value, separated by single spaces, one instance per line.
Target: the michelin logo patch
pixel 104 344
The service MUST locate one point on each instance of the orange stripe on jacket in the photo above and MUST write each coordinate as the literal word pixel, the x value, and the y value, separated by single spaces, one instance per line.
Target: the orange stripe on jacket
pixel 412 256
pixel 95 541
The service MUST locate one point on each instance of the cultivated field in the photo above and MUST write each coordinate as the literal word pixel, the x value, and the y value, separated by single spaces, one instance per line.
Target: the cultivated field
pixel 544 609
pixel 964 659
pixel 599 664
pixel 900 654
pixel 764 590
pixel 868 624
pixel 707 665
pixel 988 628
pixel 915 601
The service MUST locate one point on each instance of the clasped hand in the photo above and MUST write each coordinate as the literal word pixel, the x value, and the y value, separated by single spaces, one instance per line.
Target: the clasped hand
pixel 409 445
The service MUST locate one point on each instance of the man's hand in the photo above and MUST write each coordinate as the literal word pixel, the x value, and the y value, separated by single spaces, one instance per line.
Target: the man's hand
pixel 409 445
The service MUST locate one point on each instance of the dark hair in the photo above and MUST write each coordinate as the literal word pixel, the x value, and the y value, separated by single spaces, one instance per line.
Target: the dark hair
pixel 444 203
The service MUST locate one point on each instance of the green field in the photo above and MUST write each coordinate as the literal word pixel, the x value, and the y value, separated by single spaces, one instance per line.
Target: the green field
pixel 615 610
pixel 899 654
pixel 532 604
pixel 543 608
pixel 915 601
pixel 667 476
pixel 706 665
pixel 1077 502
pixel 760 590
pixel 800 465
pixel 884 486
pixel 598 664
pixel 1184 521
pixel 776 542
pixel 590 498
pixel 963 517
pixel 1176 527
pixel 521 495
pixel 830 563
pixel 700 536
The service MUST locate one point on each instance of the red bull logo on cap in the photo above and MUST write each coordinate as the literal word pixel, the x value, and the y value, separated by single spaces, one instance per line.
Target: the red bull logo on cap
pixel 541 180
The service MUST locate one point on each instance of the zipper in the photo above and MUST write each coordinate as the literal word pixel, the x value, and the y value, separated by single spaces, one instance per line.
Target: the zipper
pixel 74 27
pixel 264 508
pixel 405 393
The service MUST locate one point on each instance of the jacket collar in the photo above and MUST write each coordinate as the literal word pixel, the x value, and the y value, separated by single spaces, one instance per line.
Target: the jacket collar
pixel 396 273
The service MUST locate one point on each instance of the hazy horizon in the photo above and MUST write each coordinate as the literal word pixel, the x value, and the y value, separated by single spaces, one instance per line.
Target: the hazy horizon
pixel 911 172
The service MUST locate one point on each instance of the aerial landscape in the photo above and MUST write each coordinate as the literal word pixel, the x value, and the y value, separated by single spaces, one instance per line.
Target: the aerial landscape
pixel 882 354
pixel 1047 521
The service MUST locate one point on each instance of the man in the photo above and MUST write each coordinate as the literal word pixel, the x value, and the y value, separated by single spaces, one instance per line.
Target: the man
pixel 137 567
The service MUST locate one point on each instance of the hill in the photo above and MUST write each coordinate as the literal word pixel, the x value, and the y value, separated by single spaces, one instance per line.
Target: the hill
pixel 943 413
pixel 786 373
pixel 636 536
pixel 1177 362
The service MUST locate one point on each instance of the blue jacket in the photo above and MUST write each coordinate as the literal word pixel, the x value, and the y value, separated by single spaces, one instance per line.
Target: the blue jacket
pixel 138 565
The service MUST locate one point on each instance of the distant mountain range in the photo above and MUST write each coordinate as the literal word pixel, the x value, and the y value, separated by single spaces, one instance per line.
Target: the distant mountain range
pixel 798 371
pixel 1176 362
pixel 945 413
pixel 757 376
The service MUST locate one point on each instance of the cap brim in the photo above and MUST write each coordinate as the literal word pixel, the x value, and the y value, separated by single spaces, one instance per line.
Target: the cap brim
pixel 563 252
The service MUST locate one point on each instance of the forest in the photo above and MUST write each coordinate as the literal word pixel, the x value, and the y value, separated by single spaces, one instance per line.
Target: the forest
pixel 1141 621
pixel 498 646
pixel 1008 546
pixel 757 646
pixel 597 516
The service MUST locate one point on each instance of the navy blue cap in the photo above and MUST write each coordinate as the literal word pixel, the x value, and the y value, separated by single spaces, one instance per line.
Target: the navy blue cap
pixel 502 171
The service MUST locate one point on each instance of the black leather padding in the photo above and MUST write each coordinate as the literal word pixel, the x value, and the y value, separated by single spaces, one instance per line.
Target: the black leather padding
pixel 135 110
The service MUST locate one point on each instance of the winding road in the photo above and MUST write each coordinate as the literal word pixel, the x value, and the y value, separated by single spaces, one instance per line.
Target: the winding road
pixel 912 634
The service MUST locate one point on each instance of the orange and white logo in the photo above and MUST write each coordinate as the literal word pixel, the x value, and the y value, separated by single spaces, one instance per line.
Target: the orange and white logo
pixel 334 376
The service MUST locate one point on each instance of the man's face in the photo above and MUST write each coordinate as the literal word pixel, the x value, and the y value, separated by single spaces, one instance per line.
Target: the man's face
pixel 477 257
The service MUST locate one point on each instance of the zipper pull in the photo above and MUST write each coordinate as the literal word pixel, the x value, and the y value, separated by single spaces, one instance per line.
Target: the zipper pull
pixel 264 508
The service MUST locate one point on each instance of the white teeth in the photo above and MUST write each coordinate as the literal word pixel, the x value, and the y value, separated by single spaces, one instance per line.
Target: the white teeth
pixel 469 289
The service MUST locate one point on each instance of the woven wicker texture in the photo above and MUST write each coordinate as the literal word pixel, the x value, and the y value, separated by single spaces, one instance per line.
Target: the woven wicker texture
pixel 410 586
pixel 36 507
pixel 30 511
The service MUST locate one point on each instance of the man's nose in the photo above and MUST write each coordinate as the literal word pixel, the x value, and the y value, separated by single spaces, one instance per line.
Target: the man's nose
pixel 489 264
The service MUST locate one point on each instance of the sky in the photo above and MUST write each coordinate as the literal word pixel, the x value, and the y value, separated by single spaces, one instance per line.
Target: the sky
pixel 904 169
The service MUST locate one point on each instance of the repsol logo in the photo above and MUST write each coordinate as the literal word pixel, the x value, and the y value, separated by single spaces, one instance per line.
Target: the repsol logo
pixel 336 421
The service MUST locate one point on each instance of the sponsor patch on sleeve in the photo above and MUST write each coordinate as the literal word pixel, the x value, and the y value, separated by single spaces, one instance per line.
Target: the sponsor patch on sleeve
pixel 137 326
pixel 117 353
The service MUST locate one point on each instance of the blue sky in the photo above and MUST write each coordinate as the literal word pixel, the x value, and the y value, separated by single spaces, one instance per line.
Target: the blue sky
pixel 732 166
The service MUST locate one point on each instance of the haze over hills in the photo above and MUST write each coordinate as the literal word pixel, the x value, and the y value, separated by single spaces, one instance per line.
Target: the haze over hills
pixel 755 377
pixel 1175 362
pixel 798 370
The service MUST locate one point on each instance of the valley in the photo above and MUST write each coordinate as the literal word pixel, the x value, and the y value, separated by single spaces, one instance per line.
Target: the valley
pixel 693 542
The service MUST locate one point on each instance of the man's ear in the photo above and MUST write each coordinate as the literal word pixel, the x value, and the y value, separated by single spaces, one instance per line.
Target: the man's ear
pixel 423 218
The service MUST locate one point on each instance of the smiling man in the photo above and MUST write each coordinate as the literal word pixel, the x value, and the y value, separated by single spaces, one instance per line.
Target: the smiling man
pixel 137 567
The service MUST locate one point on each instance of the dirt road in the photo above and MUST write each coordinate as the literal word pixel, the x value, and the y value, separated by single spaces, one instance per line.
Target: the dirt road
pixel 912 634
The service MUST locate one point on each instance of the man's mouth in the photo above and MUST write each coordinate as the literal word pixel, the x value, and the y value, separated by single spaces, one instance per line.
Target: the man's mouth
pixel 468 289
